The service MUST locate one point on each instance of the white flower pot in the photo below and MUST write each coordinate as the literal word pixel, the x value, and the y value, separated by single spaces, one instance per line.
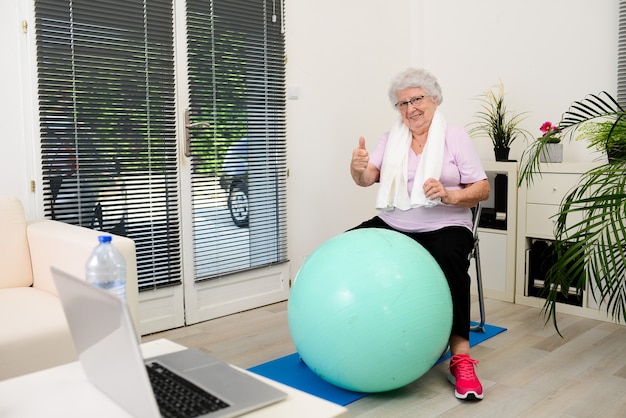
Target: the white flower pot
pixel 551 153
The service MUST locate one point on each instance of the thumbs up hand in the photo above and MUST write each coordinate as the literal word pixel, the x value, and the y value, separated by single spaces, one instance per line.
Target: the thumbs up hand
pixel 360 157
pixel 363 173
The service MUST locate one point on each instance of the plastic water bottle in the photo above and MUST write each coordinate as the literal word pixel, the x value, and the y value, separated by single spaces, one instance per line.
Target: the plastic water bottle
pixel 106 268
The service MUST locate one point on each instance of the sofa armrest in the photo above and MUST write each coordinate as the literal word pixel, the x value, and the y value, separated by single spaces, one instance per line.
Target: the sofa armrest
pixel 67 247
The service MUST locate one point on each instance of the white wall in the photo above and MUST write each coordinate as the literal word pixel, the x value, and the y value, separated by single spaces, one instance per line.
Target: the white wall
pixel 547 53
pixel 341 56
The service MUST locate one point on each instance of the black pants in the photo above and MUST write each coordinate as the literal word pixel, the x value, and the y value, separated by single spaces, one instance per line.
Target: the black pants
pixel 450 247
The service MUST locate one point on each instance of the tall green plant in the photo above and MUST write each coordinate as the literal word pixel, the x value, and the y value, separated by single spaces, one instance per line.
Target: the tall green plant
pixel 494 120
pixel 590 231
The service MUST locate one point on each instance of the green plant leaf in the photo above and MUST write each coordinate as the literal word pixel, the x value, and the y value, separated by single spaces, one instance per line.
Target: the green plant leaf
pixel 590 227
pixel 590 236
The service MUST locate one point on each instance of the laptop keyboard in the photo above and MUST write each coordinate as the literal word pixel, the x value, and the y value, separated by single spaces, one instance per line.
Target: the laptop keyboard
pixel 179 398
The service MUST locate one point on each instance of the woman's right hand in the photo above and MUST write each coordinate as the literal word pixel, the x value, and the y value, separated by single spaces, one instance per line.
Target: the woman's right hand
pixel 360 158
pixel 363 173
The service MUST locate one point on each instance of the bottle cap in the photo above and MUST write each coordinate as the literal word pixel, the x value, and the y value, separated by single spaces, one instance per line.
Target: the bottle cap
pixel 104 238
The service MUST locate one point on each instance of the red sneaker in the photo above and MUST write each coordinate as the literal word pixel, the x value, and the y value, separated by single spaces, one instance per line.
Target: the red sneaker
pixel 463 377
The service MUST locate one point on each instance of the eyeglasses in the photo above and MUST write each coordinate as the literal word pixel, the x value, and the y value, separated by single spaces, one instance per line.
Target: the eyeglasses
pixel 415 101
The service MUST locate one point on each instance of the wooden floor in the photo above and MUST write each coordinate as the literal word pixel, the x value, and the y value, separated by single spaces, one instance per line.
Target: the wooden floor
pixel 527 371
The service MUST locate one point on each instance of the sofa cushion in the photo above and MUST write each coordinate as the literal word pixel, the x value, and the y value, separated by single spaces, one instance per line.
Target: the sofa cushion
pixel 34 334
pixel 15 267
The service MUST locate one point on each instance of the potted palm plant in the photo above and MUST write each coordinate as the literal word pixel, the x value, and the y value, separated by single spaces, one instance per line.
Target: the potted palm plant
pixel 590 228
pixel 501 125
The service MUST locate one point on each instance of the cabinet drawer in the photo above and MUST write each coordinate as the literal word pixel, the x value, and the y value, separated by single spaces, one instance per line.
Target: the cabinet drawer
pixel 551 188
pixel 540 220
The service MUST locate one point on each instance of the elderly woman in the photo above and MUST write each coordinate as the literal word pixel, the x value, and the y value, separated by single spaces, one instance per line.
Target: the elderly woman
pixel 429 177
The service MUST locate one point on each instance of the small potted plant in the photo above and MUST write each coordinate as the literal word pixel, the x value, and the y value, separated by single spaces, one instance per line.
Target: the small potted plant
pixel 607 136
pixel 498 123
pixel 552 150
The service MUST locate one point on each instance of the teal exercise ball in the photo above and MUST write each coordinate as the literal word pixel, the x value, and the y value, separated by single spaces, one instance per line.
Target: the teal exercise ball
pixel 370 310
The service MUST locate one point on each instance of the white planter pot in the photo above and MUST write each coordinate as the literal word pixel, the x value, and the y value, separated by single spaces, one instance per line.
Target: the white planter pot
pixel 552 153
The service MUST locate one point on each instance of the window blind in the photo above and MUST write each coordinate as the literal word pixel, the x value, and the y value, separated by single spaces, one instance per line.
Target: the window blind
pixel 108 137
pixel 621 54
pixel 107 122
pixel 237 85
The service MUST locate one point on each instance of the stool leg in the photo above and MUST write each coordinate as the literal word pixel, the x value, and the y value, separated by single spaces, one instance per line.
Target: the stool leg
pixel 480 327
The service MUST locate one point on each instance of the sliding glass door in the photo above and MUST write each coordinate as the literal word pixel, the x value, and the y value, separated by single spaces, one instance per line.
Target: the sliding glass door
pixel 174 138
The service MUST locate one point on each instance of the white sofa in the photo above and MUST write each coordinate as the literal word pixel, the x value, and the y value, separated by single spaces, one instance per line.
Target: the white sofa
pixel 33 330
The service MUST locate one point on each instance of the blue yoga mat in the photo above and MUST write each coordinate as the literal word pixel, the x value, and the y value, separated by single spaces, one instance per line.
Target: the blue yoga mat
pixel 291 371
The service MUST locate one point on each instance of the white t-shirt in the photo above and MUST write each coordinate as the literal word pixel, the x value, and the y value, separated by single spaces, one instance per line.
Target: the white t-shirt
pixel 461 166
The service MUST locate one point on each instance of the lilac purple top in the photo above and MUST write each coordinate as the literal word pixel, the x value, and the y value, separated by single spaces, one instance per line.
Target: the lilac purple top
pixel 461 166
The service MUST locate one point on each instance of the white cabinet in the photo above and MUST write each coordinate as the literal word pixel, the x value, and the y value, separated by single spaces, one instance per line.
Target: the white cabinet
pixel 497 235
pixel 537 207
pixel 544 198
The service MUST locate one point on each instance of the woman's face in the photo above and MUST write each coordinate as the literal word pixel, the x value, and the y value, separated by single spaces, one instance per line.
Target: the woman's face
pixel 419 114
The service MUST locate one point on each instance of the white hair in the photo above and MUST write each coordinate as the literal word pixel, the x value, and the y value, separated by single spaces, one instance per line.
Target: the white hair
pixel 415 77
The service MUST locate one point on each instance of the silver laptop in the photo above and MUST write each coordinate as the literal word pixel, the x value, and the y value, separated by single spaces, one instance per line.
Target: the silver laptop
pixel 109 353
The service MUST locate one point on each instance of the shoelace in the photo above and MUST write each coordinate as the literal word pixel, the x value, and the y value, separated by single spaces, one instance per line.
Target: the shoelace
pixel 464 366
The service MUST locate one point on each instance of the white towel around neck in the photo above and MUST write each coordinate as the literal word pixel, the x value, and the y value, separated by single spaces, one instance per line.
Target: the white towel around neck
pixel 392 191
